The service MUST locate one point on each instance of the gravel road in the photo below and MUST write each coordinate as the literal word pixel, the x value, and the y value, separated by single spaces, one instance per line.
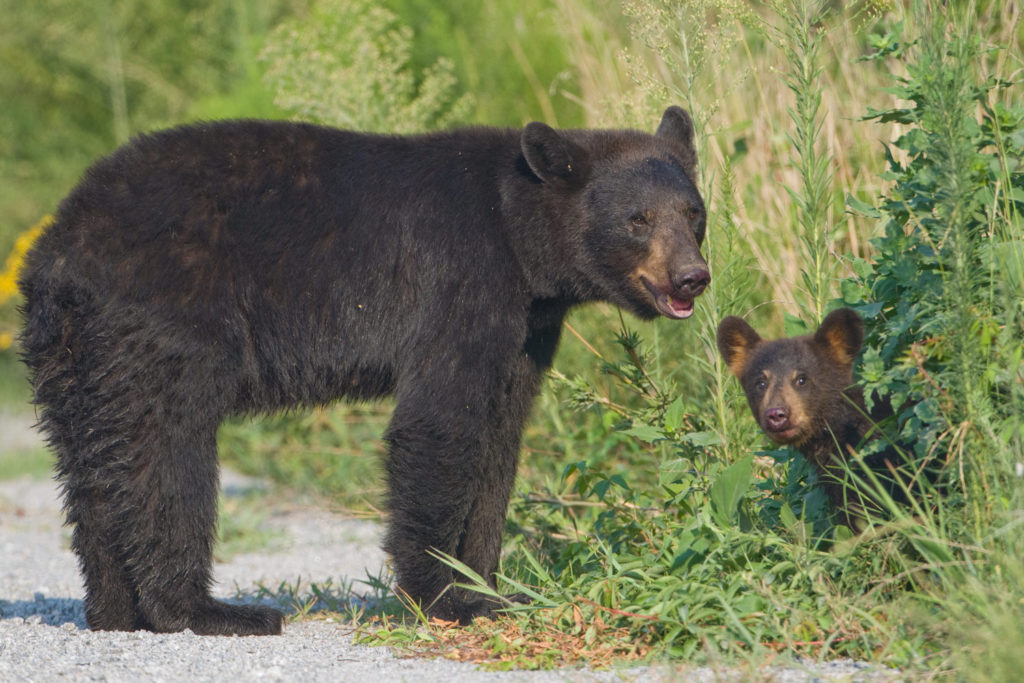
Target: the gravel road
pixel 43 636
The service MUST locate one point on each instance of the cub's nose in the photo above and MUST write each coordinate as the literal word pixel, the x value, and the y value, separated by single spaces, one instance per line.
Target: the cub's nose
pixel 776 418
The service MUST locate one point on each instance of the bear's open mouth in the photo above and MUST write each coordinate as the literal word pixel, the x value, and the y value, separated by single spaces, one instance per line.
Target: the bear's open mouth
pixel 669 304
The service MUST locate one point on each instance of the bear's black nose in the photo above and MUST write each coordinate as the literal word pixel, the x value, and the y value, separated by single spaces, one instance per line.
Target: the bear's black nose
pixel 776 418
pixel 693 282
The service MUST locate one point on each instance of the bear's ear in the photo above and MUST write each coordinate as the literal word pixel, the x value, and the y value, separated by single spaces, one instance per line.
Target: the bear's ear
pixel 551 155
pixel 736 340
pixel 841 335
pixel 677 125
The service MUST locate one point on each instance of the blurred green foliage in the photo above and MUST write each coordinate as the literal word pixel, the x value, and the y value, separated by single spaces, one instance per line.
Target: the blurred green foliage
pixel 370 83
pixel 78 78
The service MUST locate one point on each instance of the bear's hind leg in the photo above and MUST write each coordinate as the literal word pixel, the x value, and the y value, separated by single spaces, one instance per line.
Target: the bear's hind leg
pixel 78 418
pixel 131 409
pixel 172 521
pixel 110 600
pixel 139 467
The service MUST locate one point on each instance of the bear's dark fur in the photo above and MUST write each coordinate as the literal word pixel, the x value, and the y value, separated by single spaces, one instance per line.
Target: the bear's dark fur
pixel 246 267
pixel 802 394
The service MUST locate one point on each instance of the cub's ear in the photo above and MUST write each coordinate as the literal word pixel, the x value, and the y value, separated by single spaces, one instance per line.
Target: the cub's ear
pixel 551 155
pixel 841 335
pixel 736 340
pixel 677 125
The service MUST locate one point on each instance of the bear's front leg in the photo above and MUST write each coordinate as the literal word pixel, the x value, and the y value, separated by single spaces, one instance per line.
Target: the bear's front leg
pixel 481 544
pixel 451 469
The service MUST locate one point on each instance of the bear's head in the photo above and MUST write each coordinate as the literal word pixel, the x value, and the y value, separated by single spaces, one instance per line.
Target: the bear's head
pixel 633 217
pixel 795 386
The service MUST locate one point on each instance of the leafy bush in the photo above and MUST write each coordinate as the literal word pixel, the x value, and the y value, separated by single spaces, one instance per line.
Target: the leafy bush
pixel 944 291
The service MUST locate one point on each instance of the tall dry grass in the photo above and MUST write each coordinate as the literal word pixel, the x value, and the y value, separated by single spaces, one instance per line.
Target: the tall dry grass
pixel 625 73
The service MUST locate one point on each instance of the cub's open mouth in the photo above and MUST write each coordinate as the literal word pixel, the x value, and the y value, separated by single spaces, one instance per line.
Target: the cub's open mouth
pixel 669 304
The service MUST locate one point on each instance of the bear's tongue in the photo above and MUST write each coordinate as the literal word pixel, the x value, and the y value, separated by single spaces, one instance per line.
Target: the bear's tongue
pixel 671 306
pixel 668 304
pixel 674 307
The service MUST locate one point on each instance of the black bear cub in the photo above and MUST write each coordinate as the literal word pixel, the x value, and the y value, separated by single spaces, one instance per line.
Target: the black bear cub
pixel 249 266
pixel 800 391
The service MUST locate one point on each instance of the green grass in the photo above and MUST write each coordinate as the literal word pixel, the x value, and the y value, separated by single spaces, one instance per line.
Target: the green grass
pixel 334 451
pixel 32 462
pixel 240 524
pixel 649 517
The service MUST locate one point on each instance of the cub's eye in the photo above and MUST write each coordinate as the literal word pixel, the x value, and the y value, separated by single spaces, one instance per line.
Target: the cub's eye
pixel 801 380
pixel 761 384
pixel 692 213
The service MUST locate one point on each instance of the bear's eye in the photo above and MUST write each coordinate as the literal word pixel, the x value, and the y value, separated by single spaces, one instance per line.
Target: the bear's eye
pixel 692 213
pixel 761 383
pixel 801 380
pixel 640 221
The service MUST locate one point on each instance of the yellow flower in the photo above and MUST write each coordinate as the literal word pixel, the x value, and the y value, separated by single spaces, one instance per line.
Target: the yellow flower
pixel 9 278
pixel 6 340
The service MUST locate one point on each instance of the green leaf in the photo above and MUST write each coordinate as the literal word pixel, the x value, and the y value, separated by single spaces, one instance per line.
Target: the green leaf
pixel 787 517
pixel 857 206
pixel 853 291
pixel 673 470
pixel 701 439
pixel 794 326
pixel 674 415
pixel 862 267
pixel 728 489
pixel 647 433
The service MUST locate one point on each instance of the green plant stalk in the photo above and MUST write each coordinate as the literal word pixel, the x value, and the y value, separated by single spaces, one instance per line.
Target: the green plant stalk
pixel 801 44
pixel 692 61
pixel 732 272
pixel 952 49
pixel 719 373
pixel 115 74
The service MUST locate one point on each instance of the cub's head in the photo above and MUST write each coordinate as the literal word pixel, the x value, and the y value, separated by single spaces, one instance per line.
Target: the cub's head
pixel 636 218
pixel 794 386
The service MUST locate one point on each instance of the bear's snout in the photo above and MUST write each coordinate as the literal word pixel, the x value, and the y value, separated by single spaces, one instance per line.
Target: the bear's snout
pixel 691 283
pixel 776 419
pixel 782 425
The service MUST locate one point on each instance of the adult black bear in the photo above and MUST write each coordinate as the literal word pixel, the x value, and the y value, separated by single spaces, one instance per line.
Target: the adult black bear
pixel 802 394
pixel 242 267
